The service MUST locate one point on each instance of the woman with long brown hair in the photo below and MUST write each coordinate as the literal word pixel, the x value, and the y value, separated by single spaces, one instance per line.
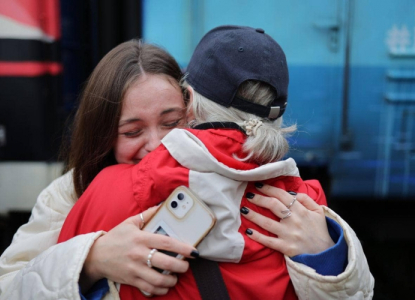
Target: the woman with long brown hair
pixel 132 69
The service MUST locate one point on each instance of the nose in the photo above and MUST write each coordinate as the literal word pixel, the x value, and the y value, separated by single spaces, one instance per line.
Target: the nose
pixel 153 141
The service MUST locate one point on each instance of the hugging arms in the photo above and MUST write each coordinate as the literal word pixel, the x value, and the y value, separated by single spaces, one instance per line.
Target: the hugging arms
pixel 34 261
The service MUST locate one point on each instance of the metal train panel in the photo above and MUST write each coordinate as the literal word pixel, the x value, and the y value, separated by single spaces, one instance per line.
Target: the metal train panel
pixel 352 79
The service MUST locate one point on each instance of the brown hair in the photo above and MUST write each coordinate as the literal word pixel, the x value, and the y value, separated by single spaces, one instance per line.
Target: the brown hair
pixel 95 126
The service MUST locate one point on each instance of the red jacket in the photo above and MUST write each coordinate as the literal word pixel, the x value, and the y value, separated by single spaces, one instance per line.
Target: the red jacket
pixel 121 191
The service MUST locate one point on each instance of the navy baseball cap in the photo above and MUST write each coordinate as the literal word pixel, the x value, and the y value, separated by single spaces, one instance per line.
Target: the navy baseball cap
pixel 229 55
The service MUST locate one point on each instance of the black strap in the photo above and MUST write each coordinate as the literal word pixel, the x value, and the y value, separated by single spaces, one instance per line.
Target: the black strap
pixel 209 279
pixel 271 112
pixel 219 125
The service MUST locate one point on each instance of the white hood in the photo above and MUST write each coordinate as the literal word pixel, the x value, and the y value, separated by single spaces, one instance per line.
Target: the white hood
pixel 222 189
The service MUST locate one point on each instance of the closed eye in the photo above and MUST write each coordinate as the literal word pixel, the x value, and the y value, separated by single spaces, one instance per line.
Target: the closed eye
pixel 132 133
pixel 173 124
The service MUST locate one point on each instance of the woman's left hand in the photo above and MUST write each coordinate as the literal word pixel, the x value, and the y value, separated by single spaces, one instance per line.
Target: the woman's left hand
pixel 302 231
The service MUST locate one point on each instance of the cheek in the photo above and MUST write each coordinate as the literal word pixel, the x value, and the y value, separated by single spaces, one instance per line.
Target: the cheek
pixel 126 150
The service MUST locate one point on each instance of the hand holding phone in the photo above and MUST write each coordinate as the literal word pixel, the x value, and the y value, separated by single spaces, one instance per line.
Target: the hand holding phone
pixel 181 216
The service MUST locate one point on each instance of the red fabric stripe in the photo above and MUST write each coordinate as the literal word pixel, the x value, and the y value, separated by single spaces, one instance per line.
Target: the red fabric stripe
pixel 29 69
pixel 43 14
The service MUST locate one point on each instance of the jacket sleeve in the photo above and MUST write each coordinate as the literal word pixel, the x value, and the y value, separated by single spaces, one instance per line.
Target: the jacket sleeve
pixel 54 274
pixel 356 282
pixel 34 261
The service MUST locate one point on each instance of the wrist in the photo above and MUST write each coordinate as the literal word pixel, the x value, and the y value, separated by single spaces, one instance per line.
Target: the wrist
pixel 91 272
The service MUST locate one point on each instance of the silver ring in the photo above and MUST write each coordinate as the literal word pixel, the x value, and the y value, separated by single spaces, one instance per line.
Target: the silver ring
pixel 292 202
pixel 285 211
pixel 287 215
pixel 150 256
pixel 142 220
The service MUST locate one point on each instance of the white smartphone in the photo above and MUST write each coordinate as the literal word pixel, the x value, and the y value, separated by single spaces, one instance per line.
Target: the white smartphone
pixel 181 216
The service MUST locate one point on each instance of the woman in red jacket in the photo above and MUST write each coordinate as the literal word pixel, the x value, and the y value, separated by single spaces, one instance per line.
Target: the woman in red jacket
pixel 238 89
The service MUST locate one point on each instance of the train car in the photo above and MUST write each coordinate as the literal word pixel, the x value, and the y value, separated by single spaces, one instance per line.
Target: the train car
pixel 352 80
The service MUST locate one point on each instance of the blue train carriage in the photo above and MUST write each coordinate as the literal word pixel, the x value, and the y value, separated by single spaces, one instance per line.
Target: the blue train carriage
pixel 352 79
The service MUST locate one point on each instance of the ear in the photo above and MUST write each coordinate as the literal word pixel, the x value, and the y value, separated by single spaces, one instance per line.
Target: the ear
pixel 190 116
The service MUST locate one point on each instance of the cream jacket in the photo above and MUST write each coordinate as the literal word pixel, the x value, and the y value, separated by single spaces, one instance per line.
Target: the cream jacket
pixel 34 267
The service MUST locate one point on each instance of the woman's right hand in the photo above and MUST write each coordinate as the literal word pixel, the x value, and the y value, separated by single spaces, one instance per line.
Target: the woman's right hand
pixel 121 256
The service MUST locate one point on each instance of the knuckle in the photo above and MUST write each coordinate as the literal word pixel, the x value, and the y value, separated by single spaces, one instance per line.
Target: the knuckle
pixel 272 191
pixel 291 250
pixel 302 196
pixel 137 239
pixel 261 200
pixel 267 223
pixel 182 266
pixel 162 291
pixel 271 243
pixel 173 280
pixel 166 243
pixel 151 289
pixel 257 237
pixel 133 255
pixel 302 213
pixel 159 281
pixel 142 285
pixel 266 188
pixel 185 266
pixel 273 202
pixel 167 264
pixel 296 236
pixel 130 270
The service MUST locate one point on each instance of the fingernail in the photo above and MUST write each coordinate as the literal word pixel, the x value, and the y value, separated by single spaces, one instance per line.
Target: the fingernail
pixel 249 231
pixel 160 203
pixel 194 253
pixel 250 195
pixel 244 210
pixel 292 193
pixel 259 184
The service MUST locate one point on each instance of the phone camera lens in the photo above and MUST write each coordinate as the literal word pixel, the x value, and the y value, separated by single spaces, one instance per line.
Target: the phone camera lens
pixel 173 204
pixel 180 196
